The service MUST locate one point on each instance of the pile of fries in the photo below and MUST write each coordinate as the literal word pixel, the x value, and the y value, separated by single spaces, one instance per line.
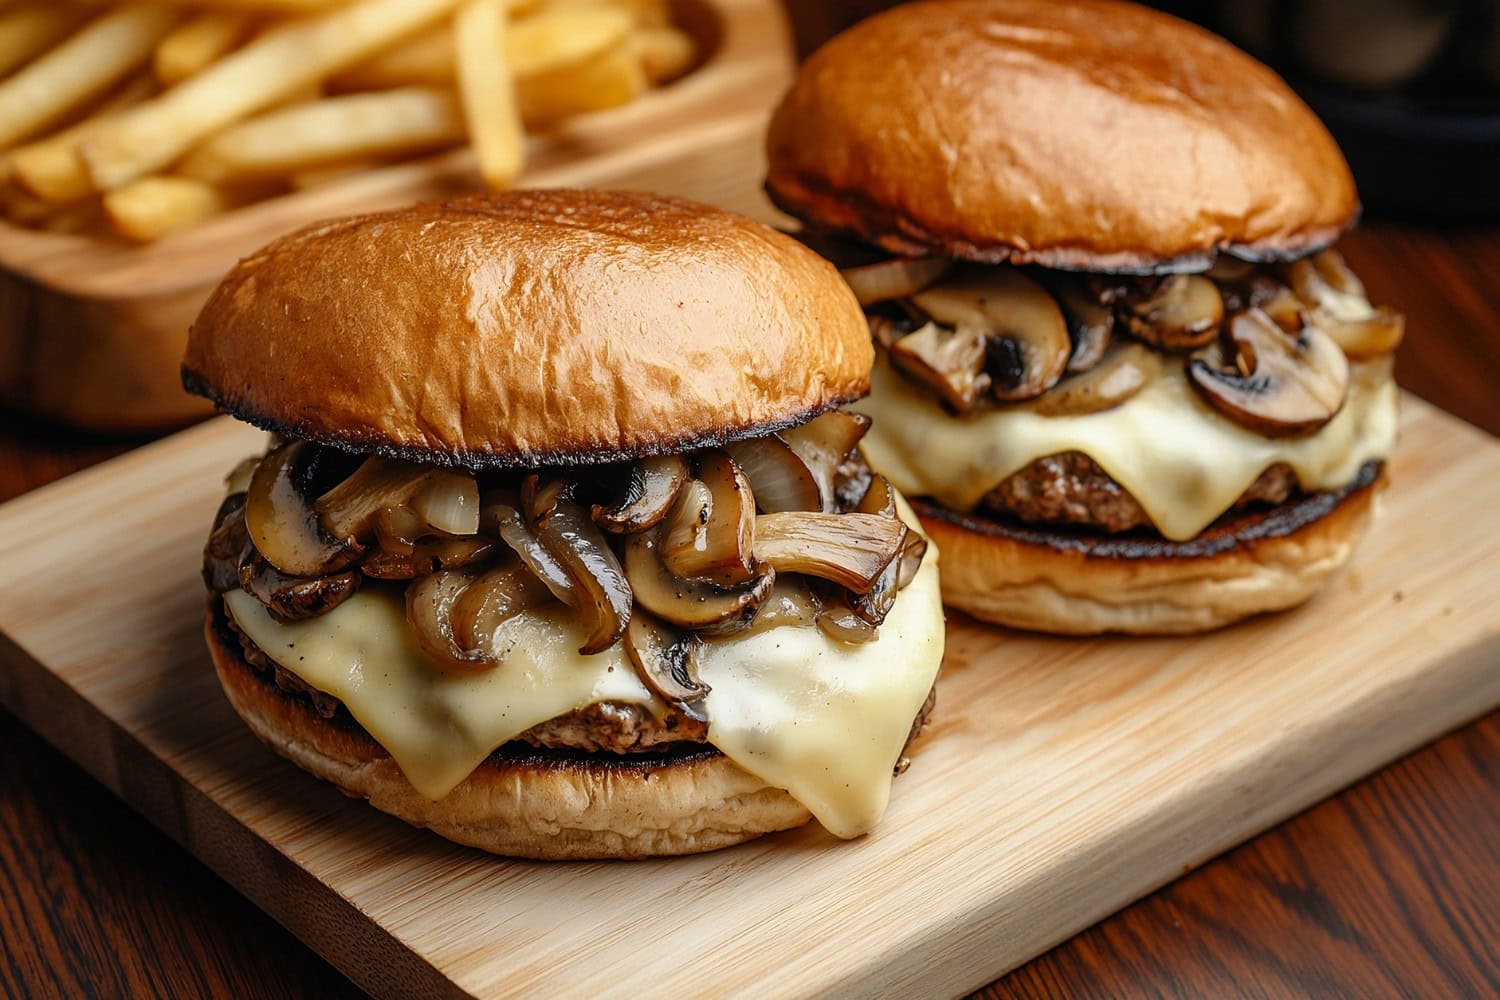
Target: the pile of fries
pixel 144 118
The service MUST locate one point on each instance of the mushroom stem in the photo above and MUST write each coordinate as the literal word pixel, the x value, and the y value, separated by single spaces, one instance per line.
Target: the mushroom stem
pixel 950 362
pixel 849 549
pixel 1026 337
pixel 349 509
pixel 1091 324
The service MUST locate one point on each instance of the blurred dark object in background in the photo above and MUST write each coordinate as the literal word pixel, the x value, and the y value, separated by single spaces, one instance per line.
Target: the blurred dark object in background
pixel 1411 88
pixel 816 21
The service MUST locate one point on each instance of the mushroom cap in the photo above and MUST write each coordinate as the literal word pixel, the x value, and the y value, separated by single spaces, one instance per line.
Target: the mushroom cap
pixel 1090 135
pixel 531 328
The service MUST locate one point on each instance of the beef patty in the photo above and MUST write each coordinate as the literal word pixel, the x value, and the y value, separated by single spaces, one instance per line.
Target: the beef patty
pixel 604 727
pixel 1071 488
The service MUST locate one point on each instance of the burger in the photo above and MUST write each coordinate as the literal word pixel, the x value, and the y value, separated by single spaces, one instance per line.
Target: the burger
pixel 562 544
pixel 1127 379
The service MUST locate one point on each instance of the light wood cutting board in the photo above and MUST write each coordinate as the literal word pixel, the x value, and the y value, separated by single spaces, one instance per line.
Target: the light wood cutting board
pixel 1061 779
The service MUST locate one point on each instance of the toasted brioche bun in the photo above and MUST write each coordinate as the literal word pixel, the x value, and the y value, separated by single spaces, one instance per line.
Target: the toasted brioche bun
pixel 539 805
pixel 1077 584
pixel 531 328
pixel 1088 135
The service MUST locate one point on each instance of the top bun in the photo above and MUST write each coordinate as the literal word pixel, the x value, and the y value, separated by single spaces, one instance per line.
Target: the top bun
pixel 531 328
pixel 1087 135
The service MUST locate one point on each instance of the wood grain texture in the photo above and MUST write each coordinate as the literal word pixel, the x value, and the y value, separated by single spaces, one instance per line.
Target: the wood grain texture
pixel 1061 779
pixel 1386 890
pixel 92 329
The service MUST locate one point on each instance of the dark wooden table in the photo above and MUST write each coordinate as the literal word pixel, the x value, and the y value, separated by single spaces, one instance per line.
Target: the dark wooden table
pixel 1389 888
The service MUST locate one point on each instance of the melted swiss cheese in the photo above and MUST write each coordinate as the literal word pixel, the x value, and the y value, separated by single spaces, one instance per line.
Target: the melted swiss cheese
pixel 1183 462
pixel 823 720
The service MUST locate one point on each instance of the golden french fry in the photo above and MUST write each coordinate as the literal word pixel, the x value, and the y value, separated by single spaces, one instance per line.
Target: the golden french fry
pixel 614 79
pixel 312 177
pixel 268 6
pixel 196 44
pixel 665 53
pixel 533 45
pixel 551 40
pixel 152 207
pixel 50 168
pixel 488 94
pixel 425 59
pixel 311 92
pixel 333 130
pixel 245 115
pixel 27 32
pixel 647 13
pixel 257 76
pixel 85 65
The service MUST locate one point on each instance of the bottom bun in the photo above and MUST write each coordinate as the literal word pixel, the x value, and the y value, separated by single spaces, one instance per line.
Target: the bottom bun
pixel 1074 583
pixel 526 803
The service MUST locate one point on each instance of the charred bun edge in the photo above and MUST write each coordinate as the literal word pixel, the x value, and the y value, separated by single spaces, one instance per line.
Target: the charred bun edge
pixel 1225 535
pixel 851 214
pixel 1057 582
pixel 359 444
